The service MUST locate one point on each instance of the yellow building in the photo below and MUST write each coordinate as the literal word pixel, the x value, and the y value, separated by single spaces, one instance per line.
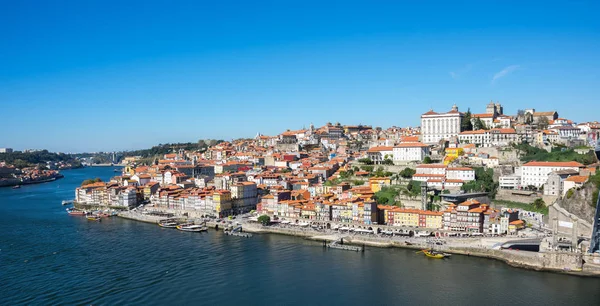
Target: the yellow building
pixel 377 183
pixel 222 201
pixel 406 217
pixel 433 219
pixel 452 154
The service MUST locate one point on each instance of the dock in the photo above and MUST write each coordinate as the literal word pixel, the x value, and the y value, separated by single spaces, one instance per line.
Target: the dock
pixel 339 244
pixel 237 232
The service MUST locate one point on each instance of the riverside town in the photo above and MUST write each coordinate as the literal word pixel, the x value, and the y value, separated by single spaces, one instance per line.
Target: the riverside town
pixel 519 187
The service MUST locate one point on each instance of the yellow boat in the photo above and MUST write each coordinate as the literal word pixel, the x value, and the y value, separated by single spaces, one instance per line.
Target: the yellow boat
pixel 431 254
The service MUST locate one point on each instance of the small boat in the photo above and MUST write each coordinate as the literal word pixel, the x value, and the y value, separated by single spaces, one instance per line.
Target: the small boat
pixel 116 170
pixel 16 187
pixel 192 228
pixel 75 212
pixel 94 218
pixel 168 224
pixel 433 254
pixel 67 202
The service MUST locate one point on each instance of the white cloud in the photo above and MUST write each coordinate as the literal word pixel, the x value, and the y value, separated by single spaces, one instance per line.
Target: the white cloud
pixel 504 72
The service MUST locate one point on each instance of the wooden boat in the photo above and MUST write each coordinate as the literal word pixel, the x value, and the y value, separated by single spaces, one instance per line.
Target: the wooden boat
pixel 433 254
pixel 168 224
pixel 192 228
pixel 93 218
pixel 75 212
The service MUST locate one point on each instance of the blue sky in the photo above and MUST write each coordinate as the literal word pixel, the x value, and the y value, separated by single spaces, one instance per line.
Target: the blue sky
pixel 106 75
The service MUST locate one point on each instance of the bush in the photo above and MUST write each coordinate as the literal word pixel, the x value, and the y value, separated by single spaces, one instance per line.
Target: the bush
pixel 91 181
pixel 367 168
pixel 264 220
pixel 366 161
pixel 407 173
pixel 569 193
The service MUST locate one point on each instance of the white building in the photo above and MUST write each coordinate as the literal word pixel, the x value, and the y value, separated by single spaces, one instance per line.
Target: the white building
pixel 489 138
pixel 379 154
pixel 567 132
pixel 437 126
pixel 440 176
pixel 460 173
pixel 536 173
pixel 410 151
pixel 510 182
pixel 6 150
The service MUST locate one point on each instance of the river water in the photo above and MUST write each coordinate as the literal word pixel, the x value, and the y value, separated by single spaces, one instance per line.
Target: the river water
pixel 48 257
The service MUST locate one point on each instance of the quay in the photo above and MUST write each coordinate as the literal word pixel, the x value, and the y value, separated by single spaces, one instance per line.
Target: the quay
pixel 238 234
pixel 339 244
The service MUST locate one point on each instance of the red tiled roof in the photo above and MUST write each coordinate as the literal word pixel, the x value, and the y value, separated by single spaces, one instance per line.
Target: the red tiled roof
pixel 577 179
pixel 553 164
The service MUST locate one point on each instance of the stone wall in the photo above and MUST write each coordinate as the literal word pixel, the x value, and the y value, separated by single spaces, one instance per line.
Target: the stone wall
pixel 507 195
pixel 580 203
pixel 584 226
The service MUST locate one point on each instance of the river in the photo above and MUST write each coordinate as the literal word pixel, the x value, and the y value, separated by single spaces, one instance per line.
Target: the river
pixel 48 257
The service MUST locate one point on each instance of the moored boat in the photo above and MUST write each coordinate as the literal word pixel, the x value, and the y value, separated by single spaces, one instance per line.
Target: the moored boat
pixel 16 187
pixel 192 228
pixel 75 212
pixel 434 254
pixel 93 218
pixel 67 202
pixel 168 224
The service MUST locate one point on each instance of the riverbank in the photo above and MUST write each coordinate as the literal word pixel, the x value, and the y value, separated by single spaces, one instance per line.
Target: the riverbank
pixel 557 262
pixel 15 182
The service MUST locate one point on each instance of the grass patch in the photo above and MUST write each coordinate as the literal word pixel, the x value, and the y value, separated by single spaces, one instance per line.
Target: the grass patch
pixel 520 205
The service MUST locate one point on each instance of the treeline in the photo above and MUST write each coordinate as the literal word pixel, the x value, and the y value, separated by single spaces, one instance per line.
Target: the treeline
pixel 557 154
pixel 28 159
pixel 167 148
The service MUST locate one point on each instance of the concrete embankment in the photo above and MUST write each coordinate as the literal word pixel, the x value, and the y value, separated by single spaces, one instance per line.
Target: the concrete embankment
pixel 561 262
pixel 140 217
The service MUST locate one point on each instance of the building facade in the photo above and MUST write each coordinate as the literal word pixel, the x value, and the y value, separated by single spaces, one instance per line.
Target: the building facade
pixel 438 126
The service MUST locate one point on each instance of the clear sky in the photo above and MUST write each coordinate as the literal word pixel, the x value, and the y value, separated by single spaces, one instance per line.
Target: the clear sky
pixel 115 75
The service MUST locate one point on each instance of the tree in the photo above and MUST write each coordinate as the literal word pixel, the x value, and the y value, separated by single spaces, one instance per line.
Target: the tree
pixel 466 124
pixel 91 181
pixel 388 161
pixel 538 204
pixel 407 173
pixel 543 123
pixel 367 168
pixel 427 160
pixel 479 125
pixel 528 118
pixel 201 143
pixel 366 161
pixel 484 182
pixel 264 220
